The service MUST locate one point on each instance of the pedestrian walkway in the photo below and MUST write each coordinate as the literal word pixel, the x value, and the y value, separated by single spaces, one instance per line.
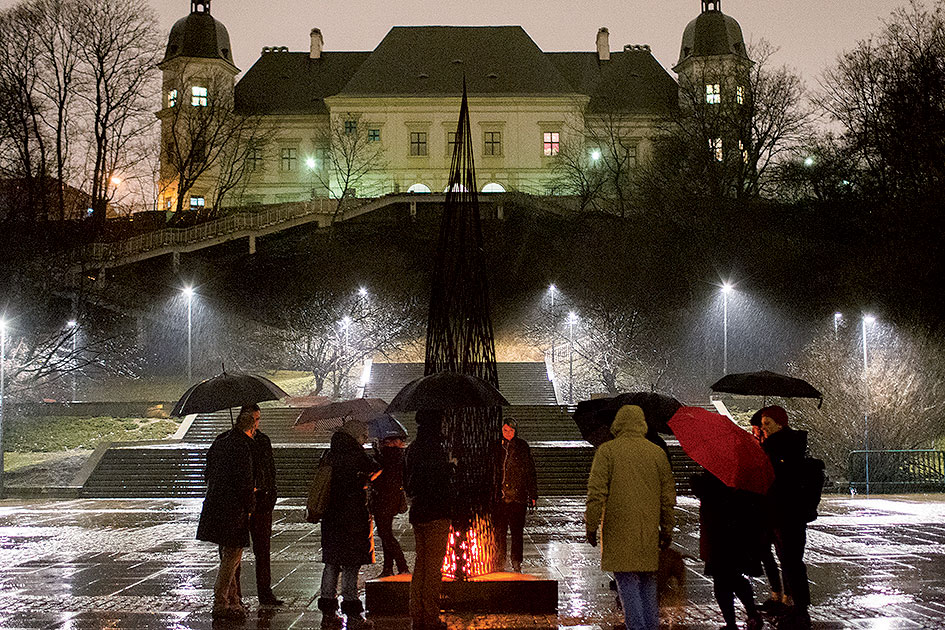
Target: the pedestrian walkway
pixel 102 563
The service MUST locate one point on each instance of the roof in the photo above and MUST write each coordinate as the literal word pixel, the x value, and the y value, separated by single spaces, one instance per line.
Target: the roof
pixel 632 81
pixel 199 35
pixel 293 83
pixel 431 61
pixel 712 33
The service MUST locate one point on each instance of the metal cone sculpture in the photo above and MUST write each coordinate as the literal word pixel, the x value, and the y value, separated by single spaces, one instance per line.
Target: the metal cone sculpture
pixel 460 339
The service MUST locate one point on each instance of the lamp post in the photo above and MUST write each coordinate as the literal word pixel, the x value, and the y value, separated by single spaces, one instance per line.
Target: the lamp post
pixel 836 325
pixel 3 361
pixel 552 319
pixel 189 294
pixel 572 318
pixel 726 289
pixel 867 321
pixel 74 325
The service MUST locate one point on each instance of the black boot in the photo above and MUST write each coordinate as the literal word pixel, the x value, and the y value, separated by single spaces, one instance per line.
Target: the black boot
pixel 330 617
pixel 352 609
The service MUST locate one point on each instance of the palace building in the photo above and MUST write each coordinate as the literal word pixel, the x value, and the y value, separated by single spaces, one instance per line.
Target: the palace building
pixel 390 114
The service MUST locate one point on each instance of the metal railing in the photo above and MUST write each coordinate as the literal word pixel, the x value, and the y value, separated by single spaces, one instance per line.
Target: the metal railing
pixel 891 471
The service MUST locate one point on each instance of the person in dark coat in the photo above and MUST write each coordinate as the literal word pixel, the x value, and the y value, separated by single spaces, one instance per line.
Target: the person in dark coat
pixel 517 491
pixel 224 519
pixel 774 602
pixel 428 475
pixel 347 530
pixel 730 543
pixel 388 500
pixel 787 448
pixel 260 521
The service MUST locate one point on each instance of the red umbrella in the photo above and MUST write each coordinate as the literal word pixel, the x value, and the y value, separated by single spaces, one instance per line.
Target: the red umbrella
pixel 723 448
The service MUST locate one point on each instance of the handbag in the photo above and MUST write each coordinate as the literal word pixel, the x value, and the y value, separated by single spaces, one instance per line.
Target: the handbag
pixel 318 493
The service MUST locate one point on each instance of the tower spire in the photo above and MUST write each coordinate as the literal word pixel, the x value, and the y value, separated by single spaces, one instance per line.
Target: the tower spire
pixel 200 6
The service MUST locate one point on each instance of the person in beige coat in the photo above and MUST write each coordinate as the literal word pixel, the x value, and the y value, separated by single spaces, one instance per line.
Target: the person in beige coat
pixel 631 489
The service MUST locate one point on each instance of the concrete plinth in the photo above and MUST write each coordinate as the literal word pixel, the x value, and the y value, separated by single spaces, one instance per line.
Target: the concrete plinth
pixel 494 593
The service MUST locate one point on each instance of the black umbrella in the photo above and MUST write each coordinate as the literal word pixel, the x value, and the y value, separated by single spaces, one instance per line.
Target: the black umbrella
pixel 594 417
pixel 362 409
pixel 226 391
pixel 446 390
pixel 765 383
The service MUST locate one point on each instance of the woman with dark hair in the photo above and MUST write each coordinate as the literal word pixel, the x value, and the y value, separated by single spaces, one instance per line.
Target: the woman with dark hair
pixel 427 479
pixel 730 536
pixel 388 500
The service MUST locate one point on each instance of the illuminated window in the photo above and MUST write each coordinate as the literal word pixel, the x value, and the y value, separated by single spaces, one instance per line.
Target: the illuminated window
pixel 551 143
pixel 492 143
pixel 197 202
pixel 739 95
pixel 712 94
pixel 493 188
pixel 172 98
pixel 351 126
pixel 419 188
pixel 418 143
pixel 290 160
pixel 374 135
pixel 198 96
pixel 715 145
pixel 744 151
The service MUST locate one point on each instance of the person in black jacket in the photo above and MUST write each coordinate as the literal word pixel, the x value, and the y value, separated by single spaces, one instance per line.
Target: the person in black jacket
pixel 347 530
pixel 730 543
pixel 260 521
pixel 224 519
pixel 388 500
pixel 517 491
pixel 428 480
pixel 787 448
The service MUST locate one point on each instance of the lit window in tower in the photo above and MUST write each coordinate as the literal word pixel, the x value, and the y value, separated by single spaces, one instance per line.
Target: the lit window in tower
pixel 172 98
pixel 713 95
pixel 715 145
pixel 739 94
pixel 199 96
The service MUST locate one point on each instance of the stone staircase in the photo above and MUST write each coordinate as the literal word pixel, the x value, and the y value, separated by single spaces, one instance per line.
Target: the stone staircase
pixel 175 469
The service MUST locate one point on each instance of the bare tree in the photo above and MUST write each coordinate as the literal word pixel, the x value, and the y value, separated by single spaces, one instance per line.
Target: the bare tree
pixel 347 158
pixel 120 47
pixel 889 95
pixel 901 391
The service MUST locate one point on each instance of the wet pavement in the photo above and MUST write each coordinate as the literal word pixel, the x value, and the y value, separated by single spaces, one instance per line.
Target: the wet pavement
pixel 874 563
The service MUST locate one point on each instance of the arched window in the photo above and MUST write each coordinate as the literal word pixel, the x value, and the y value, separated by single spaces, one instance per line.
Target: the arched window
pixel 419 188
pixel 456 188
pixel 493 187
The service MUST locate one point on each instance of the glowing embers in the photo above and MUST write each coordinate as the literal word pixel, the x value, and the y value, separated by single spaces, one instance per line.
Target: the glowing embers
pixel 471 552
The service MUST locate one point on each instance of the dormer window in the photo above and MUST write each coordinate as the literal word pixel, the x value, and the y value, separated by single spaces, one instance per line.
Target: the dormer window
pixel 172 98
pixel 199 96
pixel 713 95
pixel 740 95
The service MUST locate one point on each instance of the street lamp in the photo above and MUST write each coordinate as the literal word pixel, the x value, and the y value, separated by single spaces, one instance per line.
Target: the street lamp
pixel 3 361
pixel 837 317
pixel 572 319
pixel 74 325
pixel 726 289
pixel 868 320
pixel 189 294
pixel 362 292
pixel 553 319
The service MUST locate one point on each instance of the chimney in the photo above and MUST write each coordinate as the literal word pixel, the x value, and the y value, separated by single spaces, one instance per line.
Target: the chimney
pixel 603 44
pixel 317 44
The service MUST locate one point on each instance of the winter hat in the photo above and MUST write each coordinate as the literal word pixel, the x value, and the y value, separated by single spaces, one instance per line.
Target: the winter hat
pixel 776 413
pixel 356 429
pixel 511 422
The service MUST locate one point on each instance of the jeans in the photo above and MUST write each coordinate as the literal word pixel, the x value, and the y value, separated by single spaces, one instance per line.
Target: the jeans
pixel 637 592
pixel 349 582
pixel 509 517
pixel 226 588
pixel 431 540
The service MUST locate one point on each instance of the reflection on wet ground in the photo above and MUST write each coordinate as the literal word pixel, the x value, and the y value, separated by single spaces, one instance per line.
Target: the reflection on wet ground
pixel 874 563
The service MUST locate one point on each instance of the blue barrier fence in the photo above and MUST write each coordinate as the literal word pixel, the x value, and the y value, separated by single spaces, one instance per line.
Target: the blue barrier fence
pixel 893 471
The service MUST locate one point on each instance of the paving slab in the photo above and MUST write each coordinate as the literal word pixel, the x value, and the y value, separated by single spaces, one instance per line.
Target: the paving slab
pixel 874 563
